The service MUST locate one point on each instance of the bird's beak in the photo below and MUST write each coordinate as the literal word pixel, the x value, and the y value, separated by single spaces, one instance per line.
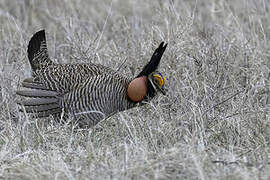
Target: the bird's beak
pixel 163 90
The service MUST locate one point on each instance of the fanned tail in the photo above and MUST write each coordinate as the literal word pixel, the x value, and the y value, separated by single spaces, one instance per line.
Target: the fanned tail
pixel 40 101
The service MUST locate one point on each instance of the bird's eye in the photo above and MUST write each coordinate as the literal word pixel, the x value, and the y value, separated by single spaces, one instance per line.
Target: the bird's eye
pixel 159 79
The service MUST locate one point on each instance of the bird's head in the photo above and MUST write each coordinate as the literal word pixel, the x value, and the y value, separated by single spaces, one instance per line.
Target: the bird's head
pixel 149 81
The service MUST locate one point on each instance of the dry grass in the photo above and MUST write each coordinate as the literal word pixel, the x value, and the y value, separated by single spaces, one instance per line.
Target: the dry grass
pixel 213 124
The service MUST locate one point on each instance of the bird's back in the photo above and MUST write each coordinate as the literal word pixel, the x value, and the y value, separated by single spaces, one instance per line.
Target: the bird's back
pixel 99 97
pixel 63 78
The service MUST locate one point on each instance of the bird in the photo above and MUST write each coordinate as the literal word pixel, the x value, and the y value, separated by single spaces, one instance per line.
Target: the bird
pixel 87 92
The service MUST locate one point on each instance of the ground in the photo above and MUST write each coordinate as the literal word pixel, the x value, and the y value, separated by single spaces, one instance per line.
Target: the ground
pixel 213 123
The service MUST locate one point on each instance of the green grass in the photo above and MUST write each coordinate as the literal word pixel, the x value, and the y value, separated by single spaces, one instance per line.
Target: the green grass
pixel 214 122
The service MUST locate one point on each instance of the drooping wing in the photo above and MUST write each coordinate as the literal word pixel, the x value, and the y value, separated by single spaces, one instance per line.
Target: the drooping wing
pixel 99 98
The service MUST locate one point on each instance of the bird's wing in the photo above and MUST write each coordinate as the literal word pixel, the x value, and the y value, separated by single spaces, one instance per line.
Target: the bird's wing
pixel 97 99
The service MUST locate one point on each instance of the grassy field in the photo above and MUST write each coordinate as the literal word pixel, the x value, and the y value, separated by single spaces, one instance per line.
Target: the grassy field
pixel 214 122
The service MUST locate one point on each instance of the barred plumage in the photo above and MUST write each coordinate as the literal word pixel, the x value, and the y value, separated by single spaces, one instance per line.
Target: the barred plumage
pixel 87 92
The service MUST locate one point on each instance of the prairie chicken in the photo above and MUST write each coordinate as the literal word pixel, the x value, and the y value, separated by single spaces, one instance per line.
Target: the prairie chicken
pixel 86 92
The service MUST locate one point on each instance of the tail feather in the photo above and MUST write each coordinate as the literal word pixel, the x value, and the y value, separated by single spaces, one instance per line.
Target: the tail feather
pixel 29 80
pixel 41 108
pixel 38 101
pixel 42 114
pixel 37 93
pixel 37 51
pixel 41 103
pixel 33 85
